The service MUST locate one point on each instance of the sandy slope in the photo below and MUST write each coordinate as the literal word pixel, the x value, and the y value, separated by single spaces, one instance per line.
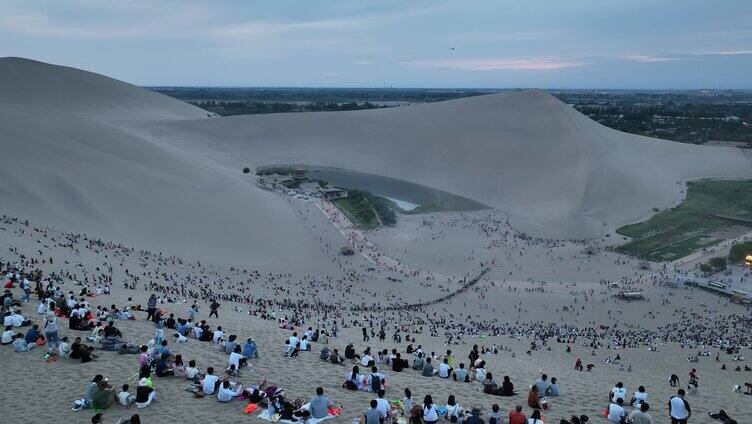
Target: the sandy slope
pixel 71 162
pixel 556 171
pixel 76 92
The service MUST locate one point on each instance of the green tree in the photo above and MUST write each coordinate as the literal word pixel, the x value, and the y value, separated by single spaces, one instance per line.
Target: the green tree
pixel 739 251
pixel 718 263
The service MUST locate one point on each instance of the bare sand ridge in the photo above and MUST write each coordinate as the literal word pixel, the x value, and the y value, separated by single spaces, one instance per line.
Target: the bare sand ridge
pixel 557 172
pixel 88 167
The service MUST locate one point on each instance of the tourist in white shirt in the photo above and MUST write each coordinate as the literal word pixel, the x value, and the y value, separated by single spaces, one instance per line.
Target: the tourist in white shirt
pixel 294 340
pixel 430 412
pixel 191 372
pixel 125 398
pixel 8 334
pixel 679 409
pixel 382 404
pixel 618 392
pixel 616 411
pixel 452 409
pixel 228 391
pixel 366 359
pixel 210 381
pixel 237 358
pixel 640 396
pixel 444 369
pixel 218 335
pixel 305 344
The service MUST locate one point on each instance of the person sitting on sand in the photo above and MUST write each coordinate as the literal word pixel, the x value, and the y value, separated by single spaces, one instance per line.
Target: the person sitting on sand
pixel 535 418
pixel 231 371
pixel 134 419
pixel 495 417
pixel 461 374
pixel 419 362
pixel 383 405
pixel 290 350
pixel 320 404
pixel 144 394
pixel 20 345
pixel 542 385
pixel 102 396
pixel 616 412
pixel 640 415
pixel 639 396
pixel 353 379
pixel 533 400
pixel 453 410
pixel 507 387
pixel 178 367
pixel 480 372
pixel 350 352
pixel 249 349
pixel 444 369
pixel 618 392
pixel 553 388
pixel 191 372
pixel 336 358
pixel 163 366
pixel 8 335
pixel 516 416
pixel 211 382
pixel 473 417
pixel 372 415
pixel 490 387
pixel 236 358
pixel 305 344
pixel 229 345
pixel 229 391
pixel 427 369
pixel 430 411
pixel 31 334
pixel 124 397
pixel 367 360
pixel 64 348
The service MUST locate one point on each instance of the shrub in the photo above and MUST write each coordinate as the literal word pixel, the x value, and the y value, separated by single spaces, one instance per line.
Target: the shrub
pixel 739 251
pixel 718 263
pixel 246 170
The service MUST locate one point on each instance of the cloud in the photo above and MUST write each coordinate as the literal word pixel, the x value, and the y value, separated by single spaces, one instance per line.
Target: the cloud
pixel 724 53
pixel 363 62
pixel 492 64
pixel 651 58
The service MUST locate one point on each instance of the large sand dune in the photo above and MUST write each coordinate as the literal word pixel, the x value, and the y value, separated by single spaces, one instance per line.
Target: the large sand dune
pixel 556 171
pixel 89 153
pixel 72 160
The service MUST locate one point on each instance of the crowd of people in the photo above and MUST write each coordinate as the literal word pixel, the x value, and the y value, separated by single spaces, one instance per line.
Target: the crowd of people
pixel 102 329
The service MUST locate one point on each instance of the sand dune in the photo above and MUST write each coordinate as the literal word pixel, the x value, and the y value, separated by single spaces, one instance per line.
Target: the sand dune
pixel 75 92
pixel 556 171
pixel 105 157
pixel 73 161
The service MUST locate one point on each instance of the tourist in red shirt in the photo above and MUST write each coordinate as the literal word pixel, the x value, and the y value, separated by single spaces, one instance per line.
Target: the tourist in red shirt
pixel 516 416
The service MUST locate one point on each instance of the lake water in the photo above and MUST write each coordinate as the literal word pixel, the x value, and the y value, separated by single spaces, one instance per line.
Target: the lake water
pixel 406 195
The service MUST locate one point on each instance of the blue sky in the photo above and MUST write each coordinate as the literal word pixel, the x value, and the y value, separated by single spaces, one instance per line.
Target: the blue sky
pixel 439 43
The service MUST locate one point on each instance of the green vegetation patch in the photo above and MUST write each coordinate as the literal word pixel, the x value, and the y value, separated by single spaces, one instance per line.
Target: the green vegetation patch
pixel 366 211
pixel 711 210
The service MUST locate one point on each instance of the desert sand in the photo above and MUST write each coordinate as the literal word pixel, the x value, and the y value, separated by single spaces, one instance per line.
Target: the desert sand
pixel 140 193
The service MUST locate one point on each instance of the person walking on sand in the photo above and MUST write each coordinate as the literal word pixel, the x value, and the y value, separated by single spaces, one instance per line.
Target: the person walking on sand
pixel 678 408
pixel 151 307
pixel 213 308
